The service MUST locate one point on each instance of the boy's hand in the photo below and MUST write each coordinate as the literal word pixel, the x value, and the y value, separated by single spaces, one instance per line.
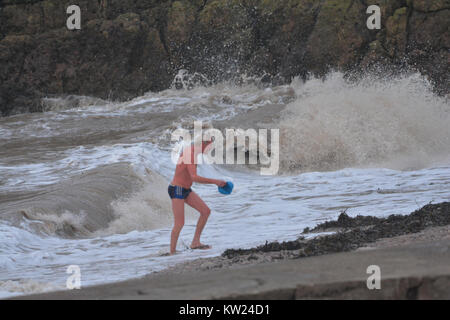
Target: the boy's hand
pixel 221 183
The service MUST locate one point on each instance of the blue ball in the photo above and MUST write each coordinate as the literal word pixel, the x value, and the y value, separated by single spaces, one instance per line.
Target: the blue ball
pixel 226 189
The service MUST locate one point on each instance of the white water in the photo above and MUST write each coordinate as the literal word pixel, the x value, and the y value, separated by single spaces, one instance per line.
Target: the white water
pixel 87 186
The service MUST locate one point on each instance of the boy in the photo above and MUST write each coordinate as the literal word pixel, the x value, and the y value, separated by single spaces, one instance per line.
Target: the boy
pixel 180 192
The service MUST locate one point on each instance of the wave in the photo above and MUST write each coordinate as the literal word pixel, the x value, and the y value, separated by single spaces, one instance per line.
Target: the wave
pixel 147 209
pixel 324 125
pixel 394 123
pixel 12 288
pixel 106 200
pixel 67 102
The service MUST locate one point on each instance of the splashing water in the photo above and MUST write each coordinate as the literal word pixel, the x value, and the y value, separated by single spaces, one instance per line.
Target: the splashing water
pixel 85 183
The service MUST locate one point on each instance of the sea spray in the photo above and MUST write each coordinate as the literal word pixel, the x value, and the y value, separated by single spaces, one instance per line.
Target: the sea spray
pixel 335 124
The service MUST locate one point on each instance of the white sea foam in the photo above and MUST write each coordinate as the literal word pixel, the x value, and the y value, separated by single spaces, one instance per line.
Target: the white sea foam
pixel 336 124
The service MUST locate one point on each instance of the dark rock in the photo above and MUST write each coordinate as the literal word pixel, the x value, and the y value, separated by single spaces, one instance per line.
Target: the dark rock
pixel 128 47
pixel 356 232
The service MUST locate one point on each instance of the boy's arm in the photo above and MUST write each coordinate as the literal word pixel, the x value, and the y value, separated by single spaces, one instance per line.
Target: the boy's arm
pixel 192 169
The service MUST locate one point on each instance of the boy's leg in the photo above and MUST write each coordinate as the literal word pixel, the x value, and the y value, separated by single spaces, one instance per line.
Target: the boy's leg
pixel 178 214
pixel 198 204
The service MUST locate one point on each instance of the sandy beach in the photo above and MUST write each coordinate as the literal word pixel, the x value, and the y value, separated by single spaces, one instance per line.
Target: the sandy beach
pixel 414 264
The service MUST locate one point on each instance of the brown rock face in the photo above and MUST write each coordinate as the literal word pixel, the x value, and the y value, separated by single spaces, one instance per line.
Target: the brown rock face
pixel 128 47
pixel 117 54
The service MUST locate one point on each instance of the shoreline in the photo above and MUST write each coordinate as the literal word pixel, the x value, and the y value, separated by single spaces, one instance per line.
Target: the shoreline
pixel 413 252
pixel 429 223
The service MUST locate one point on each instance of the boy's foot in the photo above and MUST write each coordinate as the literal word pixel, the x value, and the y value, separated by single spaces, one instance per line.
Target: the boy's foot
pixel 200 246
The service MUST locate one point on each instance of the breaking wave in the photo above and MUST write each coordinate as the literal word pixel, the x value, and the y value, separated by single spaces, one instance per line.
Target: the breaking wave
pixel 397 123
pixel 110 199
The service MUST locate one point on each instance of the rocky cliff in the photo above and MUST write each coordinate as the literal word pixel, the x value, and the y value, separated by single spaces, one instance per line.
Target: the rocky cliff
pixel 128 47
